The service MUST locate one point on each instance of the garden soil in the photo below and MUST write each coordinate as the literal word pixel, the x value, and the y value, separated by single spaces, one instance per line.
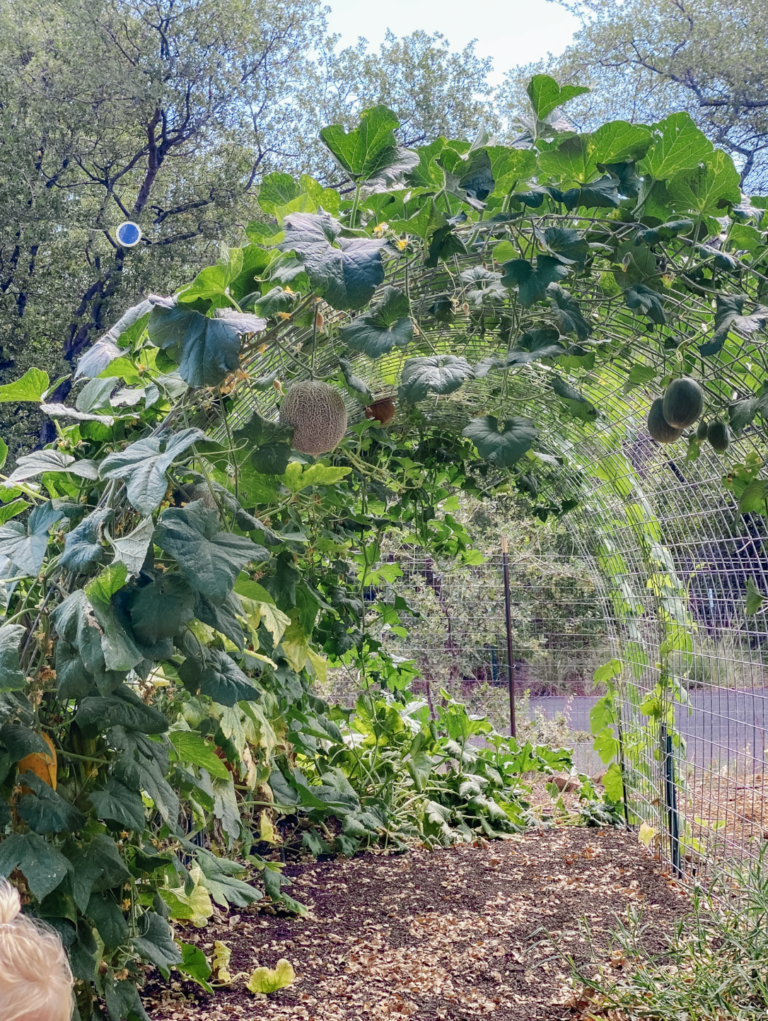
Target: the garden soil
pixel 465 932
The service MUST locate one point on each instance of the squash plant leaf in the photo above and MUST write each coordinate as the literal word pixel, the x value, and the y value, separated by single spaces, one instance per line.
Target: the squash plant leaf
pixel 369 151
pixel 546 95
pixel 729 315
pixel 568 246
pixel 39 461
pixel 206 350
pixel 677 144
pixel 192 747
pixel 442 374
pixel 45 811
pixel 143 465
pixel 357 387
pixel 642 298
pixel 82 546
pixel 269 980
pixel 532 346
pixel 208 558
pixel 532 282
pixel 567 312
pixel 123 708
pixel 31 387
pixel 117 803
pixel 578 405
pixel 25 545
pixel 160 610
pixel 344 271
pixel 385 326
pixel 501 443
pixel 131 549
pixel 220 678
pixel 155 942
pixel 269 443
pixel 43 866
pixel 11 676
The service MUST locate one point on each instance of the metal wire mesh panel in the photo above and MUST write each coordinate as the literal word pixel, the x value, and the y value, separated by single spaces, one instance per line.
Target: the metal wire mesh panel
pixel 667 552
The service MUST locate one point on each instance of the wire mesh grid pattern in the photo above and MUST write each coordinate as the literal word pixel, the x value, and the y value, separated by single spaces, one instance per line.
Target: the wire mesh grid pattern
pixel 666 549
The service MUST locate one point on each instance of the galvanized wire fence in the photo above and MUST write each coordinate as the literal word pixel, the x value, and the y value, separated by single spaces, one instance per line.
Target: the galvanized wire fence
pixel 663 547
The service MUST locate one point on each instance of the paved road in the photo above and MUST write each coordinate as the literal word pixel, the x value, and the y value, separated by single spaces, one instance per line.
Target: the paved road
pixel 725 724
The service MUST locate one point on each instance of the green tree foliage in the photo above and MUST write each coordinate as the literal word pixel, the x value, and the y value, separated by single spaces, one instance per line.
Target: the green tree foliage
pixel 644 61
pixel 170 115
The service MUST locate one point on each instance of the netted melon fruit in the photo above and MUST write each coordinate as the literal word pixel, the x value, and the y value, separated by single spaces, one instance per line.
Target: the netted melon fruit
pixel 719 436
pixel 382 411
pixel 683 402
pixel 318 415
pixel 658 426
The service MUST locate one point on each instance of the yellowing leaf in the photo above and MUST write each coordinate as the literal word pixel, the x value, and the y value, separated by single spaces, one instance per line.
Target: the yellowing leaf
pixel 297 478
pixel 221 958
pixel 266 829
pixel 274 620
pixel 195 907
pixel 269 980
pixel 299 654
pixel 646 834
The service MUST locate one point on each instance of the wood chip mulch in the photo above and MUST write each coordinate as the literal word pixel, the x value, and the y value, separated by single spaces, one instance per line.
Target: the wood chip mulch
pixel 453 934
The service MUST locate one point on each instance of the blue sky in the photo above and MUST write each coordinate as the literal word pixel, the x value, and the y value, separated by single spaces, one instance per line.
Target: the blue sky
pixel 510 31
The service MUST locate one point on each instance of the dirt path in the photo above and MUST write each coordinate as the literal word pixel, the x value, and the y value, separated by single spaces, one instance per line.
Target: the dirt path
pixel 450 935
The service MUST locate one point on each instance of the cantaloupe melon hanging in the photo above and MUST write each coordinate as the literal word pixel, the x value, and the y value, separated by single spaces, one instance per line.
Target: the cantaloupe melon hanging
pixel 318 415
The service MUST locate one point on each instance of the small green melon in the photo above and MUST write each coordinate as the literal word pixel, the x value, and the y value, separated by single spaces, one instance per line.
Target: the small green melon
pixel 683 402
pixel 719 436
pixel 701 430
pixel 658 426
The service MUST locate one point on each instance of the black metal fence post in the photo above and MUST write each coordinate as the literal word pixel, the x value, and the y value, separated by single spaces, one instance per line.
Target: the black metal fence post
pixel 510 657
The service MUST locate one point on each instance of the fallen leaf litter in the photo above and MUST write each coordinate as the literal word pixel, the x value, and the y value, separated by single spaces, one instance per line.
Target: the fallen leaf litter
pixel 457 933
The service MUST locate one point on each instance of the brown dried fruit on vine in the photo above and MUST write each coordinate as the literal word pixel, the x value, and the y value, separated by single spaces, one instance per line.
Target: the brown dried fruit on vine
pixel 382 411
pixel 318 415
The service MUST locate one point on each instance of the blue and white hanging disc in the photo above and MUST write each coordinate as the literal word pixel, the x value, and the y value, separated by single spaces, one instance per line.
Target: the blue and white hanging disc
pixel 128 234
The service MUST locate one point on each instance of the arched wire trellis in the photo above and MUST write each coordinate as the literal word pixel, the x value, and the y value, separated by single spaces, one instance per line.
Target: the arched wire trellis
pixel 668 549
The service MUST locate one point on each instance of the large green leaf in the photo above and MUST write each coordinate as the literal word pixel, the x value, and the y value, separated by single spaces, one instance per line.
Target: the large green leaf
pixel 96 862
pixel 209 283
pixel 82 546
pixel 116 803
pixel 222 617
pixel 509 166
pixel 26 545
pixel 503 444
pixel 11 676
pixel 209 559
pixel 532 346
pixel 219 879
pixel 39 461
pixel 369 150
pixel 649 302
pixel 42 865
pixel 385 326
pixel 578 405
pixel 269 444
pixel 729 315
pixel 532 283
pixel 109 920
pixel 155 941
pixel 124 709
pixel 344 271
pixel 709 189
pixel 121 651
pixel 546 95
pixel 567 312
pixel 220 679
pixel 441 374
pixel 45 811
pixel 160 610
pixel 206 350
pixel 677 145
pixel 568 246
pixel 131 549
pixel 31 387
pixel 192 747
pixel 143 465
